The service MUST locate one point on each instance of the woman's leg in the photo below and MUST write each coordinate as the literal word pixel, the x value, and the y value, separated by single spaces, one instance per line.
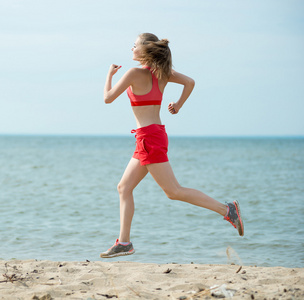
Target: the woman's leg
pixel 164 176
pixel 133 174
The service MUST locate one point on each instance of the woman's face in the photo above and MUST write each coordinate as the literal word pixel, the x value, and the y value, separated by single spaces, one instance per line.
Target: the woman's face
pixel 136 49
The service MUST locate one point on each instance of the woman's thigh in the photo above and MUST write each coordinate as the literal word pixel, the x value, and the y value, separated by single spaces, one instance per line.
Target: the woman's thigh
pixel 164 176
pixel 132 175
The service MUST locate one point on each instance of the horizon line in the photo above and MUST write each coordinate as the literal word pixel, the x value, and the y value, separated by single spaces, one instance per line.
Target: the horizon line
pixel 171 135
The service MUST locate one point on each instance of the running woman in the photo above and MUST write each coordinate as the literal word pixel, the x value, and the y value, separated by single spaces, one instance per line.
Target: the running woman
pixel 145 87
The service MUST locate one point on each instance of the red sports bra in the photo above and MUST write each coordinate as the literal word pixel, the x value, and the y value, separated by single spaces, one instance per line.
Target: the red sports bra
pixel 154 97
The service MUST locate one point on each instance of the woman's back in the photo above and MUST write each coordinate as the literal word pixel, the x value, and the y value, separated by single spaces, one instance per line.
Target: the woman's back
pixel 146 95
pixel 143 82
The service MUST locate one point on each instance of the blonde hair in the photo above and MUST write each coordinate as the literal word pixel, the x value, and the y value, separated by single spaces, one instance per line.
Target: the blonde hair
pixel 156 54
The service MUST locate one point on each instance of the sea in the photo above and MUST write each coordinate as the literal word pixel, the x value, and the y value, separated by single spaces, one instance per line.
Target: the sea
pixel 59 200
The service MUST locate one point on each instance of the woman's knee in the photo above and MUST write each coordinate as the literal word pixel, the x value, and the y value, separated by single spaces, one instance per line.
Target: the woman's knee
pixel 123 189
pixel 174 193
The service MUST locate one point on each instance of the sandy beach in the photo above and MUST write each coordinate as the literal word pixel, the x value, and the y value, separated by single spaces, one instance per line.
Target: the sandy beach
pixel 31 279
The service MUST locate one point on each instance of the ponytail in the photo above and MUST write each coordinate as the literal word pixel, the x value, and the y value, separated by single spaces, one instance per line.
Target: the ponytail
pixel 156 54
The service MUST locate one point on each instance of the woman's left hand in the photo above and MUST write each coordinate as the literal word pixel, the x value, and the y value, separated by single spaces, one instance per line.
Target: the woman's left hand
pixel 113 69
pixel 173 108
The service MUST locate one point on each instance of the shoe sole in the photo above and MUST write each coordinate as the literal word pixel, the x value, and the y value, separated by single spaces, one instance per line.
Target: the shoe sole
pixel 117 254
pixel 238 211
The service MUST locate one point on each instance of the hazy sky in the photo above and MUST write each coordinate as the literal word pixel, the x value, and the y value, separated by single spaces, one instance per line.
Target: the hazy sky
pixel 245 56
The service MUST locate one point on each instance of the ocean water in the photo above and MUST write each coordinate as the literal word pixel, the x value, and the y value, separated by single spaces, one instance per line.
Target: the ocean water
pixel 59 201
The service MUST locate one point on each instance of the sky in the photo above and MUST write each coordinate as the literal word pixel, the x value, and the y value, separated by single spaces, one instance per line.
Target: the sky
pixel 246 58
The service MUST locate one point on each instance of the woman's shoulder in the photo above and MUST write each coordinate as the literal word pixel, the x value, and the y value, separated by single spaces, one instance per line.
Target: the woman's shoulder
pixel 180 78
pixel 136 71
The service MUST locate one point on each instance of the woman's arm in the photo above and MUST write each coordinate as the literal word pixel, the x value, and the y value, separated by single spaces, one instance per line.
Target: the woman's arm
pixel 188 84
pixel 110 94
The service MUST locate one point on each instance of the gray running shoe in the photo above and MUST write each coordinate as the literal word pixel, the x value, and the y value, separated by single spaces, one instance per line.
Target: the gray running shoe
pixel 234 216
pixel 118 250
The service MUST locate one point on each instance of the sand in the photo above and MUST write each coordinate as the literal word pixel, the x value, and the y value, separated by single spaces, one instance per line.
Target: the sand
pixel 31 279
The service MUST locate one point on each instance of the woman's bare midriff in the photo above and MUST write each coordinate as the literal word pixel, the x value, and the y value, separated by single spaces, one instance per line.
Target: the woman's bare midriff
pixel 147 115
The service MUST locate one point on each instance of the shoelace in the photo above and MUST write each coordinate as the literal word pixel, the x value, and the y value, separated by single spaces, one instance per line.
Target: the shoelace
pixel 116 243
pixel 229 220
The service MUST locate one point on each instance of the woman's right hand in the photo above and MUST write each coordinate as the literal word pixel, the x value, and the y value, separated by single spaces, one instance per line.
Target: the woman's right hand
pixel 113 69
pixel 173 108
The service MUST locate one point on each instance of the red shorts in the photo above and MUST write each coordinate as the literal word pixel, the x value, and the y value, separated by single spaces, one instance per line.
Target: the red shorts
pixel 151 144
